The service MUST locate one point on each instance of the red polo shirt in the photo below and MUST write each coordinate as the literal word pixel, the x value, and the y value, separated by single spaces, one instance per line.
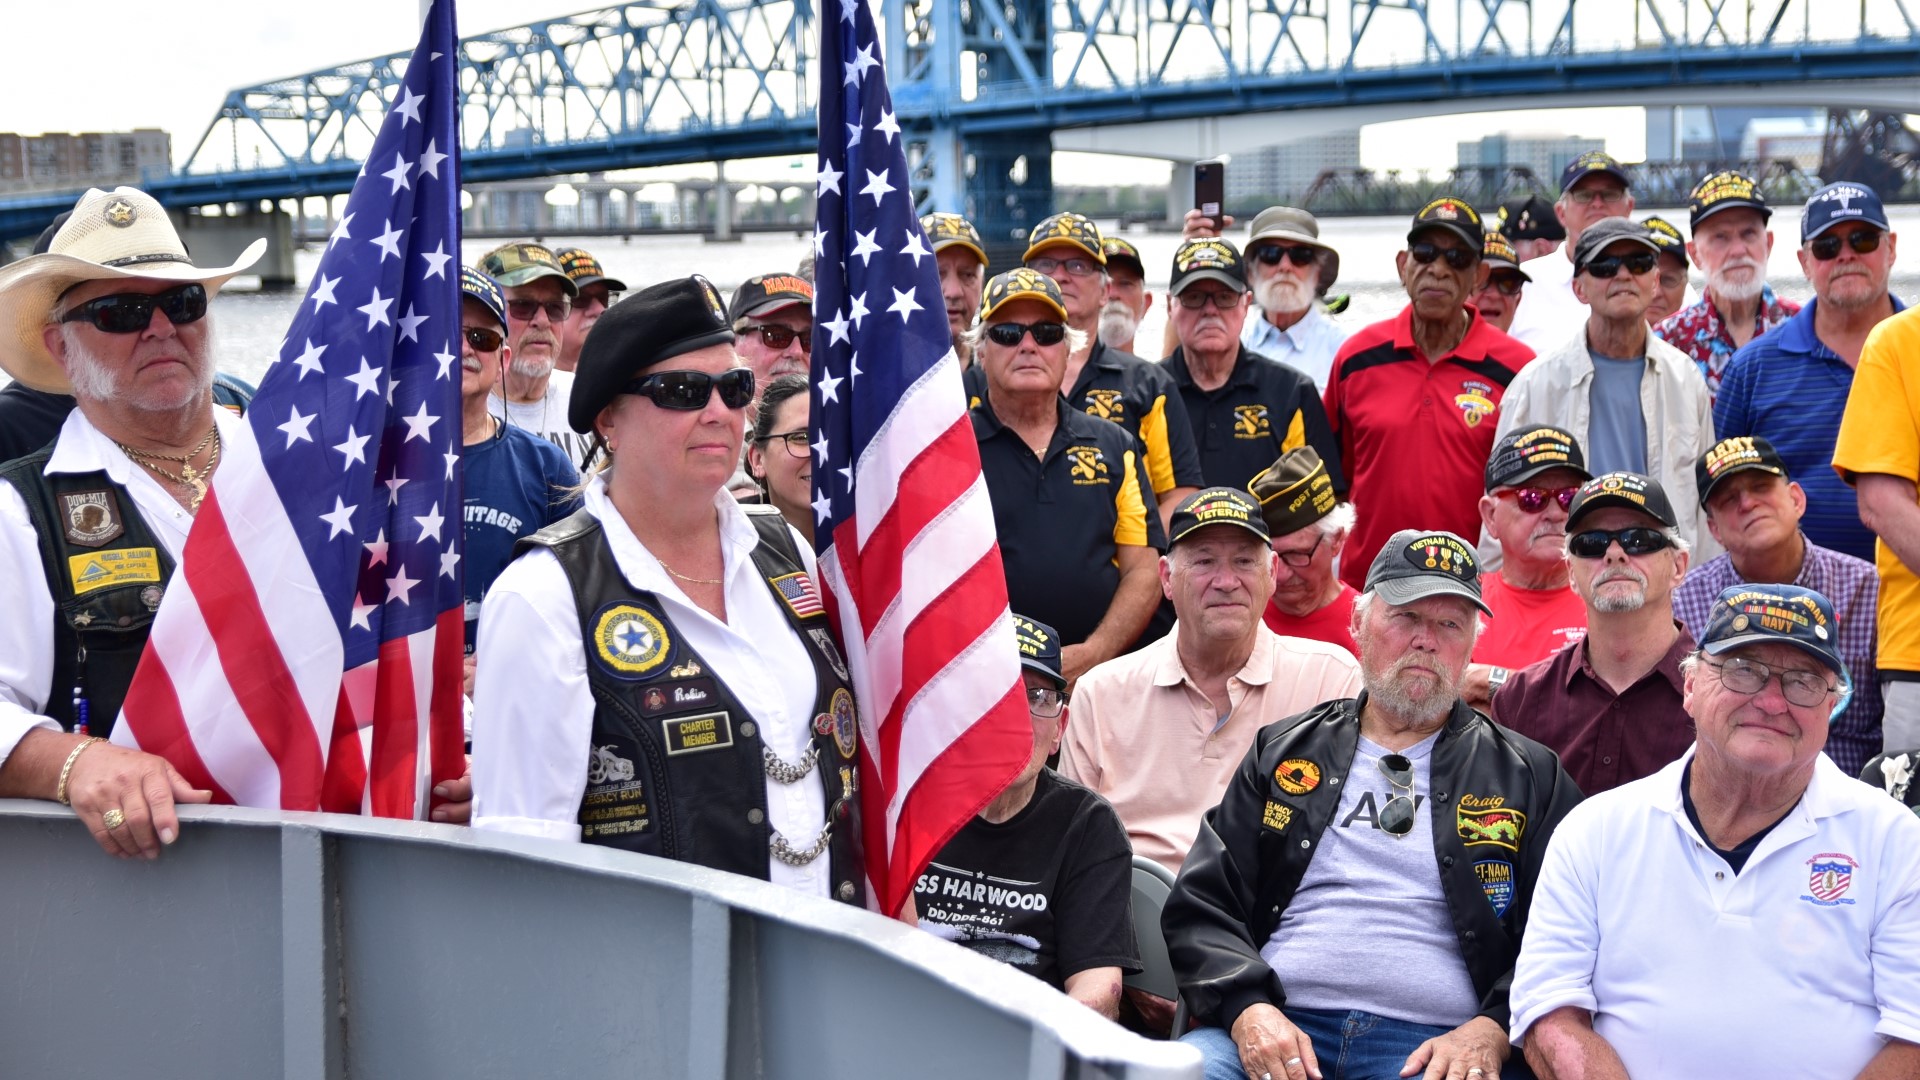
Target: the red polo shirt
pixel 1415 436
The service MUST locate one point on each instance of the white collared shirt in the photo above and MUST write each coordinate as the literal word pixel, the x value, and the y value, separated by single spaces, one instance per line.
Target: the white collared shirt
pixel 1692 970
pixel 1309 345
pixel 26 632
pixel 533 709
pixel 1549 314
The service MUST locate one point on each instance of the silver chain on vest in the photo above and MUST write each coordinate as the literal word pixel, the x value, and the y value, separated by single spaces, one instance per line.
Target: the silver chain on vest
pixel 786 853
pixel 783 773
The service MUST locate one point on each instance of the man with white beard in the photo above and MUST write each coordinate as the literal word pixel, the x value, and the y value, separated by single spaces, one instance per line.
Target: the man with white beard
pixel 1730 244
pixel 1284 260
pixel 533 394
pixel 1127 297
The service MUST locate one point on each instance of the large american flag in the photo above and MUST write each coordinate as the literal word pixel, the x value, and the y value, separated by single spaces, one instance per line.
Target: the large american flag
pixel 307 654
pixel 908 551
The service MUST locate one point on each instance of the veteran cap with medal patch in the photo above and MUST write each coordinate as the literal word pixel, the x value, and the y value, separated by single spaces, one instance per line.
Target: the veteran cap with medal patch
pixel 1530 451
pixel 1039 648
pixel 1415 565
pixel 1497 251
pixel 1782 614
pixel 1216 506
pixel 1294 492
pixel 1207 258
pixel 1630 491
pixel 1020 283
pixel 1726 190
pixel 1452 215
pixel 1742 453
pixel 1067 228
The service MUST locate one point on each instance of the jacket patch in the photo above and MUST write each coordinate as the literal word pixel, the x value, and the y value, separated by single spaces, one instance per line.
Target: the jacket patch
pixel 1496 880
pixel 797 592
pixel 678 696
pixel 1276 816
pixel 1297 776
pixel 846 726
pixel 92 518
pixel 630 642
pixel 615 803
pixel 692 734
pixel 1489 821
pixel 104 569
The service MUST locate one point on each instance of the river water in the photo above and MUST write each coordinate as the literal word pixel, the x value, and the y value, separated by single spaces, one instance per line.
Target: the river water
pixel 252 322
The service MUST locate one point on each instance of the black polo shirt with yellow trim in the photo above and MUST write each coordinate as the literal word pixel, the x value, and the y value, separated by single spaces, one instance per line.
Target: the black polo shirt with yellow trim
pixel 1061 516
pixel 1140 396
pixel 1264 409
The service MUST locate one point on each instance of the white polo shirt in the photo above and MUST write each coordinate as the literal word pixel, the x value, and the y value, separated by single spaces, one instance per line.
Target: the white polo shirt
pixel 1549 314
pixel 1803 962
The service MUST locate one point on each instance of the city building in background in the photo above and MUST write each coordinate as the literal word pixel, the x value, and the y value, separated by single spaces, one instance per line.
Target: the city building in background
pixel 1713 133
pixel 88 159
pixel 1281 174
pixel 1544 155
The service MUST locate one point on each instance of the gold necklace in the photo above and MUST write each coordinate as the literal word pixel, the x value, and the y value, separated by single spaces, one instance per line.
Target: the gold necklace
pixel 683 577
pixel 194 480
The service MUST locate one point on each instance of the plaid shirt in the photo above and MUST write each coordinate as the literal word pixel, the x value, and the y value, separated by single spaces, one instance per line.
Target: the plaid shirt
pixel 1697 331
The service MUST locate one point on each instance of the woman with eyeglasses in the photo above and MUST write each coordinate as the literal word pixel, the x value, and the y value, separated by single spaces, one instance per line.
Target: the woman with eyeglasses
pixel 655 672
pixel 779 455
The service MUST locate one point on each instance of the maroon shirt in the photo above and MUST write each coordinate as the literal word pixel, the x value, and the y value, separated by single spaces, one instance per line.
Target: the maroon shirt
pixel 1603 740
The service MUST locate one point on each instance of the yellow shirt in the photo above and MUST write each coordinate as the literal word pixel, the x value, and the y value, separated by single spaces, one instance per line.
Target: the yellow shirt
pixel 1880 433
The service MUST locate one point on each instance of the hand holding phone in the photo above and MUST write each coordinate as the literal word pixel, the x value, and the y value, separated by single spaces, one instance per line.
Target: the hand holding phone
pixel 1210 190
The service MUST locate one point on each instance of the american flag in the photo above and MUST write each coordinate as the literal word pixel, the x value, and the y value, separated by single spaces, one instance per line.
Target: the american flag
pixel 909 556
pixel 307 654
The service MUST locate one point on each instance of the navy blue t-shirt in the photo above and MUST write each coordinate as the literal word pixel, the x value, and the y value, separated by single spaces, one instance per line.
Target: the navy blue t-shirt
pixel 516 484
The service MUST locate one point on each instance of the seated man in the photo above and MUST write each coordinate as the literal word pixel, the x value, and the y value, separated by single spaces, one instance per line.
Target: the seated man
pixel 1310 526
pixel 1325 911
pixel 1754 509
pixel 1042 878
pixel 1783 936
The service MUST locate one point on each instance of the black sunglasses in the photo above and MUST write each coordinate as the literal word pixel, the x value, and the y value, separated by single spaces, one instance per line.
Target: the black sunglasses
pixel 1458 258
pixel 481 338
pixel 1508 284
pixel 130 313
pixel 1607 266
pixel 1271 254
pixel 775 336
pixel 690 390
pixel 1862 241
pixel 1397 816
pixel 1638 540
pixel 1010 333
pixel 557 310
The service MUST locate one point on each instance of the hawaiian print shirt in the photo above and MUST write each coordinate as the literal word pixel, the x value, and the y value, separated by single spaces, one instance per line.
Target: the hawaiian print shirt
pixel 1697 331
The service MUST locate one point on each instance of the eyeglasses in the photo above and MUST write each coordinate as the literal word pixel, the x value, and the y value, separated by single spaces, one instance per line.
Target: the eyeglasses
pixel 1743 676
pixel 1459 258
pixel 481 338
pixel 798 444
pixel 1271 254
pixel 1507 284
pixel 1195 299
pixel 1077 266
pixel 1301 558
pixel 1010 333
pixel 1045 703
pixel 1397 816
pixel 524 310
pixel 1638 540
pixel 775 336
pixel 1673 281
pixel 1862 241
pixel 690 390
pixel 1533 500
pixel 1606 196
pixel 1607 266
pixel 130 313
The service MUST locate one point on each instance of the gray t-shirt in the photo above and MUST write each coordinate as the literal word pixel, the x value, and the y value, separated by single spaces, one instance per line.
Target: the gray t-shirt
pixel 1616 429
pixel 1369 928
pixel 547 417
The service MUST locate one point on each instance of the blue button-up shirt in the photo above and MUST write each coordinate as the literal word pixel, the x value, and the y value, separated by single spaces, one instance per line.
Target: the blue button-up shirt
pixel 1308 345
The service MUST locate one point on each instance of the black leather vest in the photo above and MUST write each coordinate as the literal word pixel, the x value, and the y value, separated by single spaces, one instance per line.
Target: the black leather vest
pixel 676 763
pixel 106 573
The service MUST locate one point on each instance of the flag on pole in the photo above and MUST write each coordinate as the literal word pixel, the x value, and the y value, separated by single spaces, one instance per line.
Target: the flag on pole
pixel 307 654
pixel 908 552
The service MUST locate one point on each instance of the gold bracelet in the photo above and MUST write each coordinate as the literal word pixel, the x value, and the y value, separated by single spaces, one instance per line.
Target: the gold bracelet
pixel 60 793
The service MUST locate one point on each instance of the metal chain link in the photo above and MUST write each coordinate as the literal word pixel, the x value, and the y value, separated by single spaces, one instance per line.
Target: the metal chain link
pixel 786 853
pixel 783 773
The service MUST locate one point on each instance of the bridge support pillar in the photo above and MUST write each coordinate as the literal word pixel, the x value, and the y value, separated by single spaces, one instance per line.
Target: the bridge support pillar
pixel 722 231
pixel 1179 191
pixel 219 240
pixel 1010 190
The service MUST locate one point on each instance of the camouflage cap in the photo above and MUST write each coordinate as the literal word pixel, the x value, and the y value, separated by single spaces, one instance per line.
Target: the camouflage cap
pixel 520 262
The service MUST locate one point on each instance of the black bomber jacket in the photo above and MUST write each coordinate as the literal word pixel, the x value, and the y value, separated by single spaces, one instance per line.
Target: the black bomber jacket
pixel 1496 798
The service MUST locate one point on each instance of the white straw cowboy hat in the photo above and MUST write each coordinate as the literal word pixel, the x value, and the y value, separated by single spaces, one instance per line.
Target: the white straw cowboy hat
pixel 123 233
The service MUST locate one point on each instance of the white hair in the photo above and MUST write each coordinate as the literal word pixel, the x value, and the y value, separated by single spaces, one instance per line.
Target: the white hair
pixel 1076 338
pixel 1338 520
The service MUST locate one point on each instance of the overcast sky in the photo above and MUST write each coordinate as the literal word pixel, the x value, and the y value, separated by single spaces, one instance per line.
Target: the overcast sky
pixel 116 64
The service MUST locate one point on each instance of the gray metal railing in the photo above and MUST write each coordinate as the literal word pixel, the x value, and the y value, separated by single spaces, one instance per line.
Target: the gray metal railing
pixel 318 947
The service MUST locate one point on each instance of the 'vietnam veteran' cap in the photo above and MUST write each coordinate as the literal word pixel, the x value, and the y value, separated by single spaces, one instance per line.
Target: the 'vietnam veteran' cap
pixel 1783 614
pixel 1498 253
pixel 1207 258
pixel 660 322
pixel 486 290
pixel 947 230
pixel 1454 216
pixel 1530 451
pixel 1216 506
pixel 1020 283
pixel 1068 228
pixel 586 270
pixel 1623 489
pixel 1415 565
pixel 1039 648
pixel 1666 236
pixel 1294 492
pixel 1593 161
pixel 519 262
pixel 1835 203
pixel 1742 453
pixel 1726 190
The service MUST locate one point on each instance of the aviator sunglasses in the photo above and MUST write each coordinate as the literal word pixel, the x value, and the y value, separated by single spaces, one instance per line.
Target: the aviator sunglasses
pixel 1458 258
pixel 690 390
pixel 775 336
pixel 1010 333
pixel 1396 818
pixel 1827 248
pixel 1638 540
pixel 129 313
pixel 481 338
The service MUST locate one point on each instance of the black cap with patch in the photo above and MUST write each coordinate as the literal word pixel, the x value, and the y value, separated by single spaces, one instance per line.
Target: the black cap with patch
pixel 1666 236
pixel 1207 258
pixel 1528 452
pixel 660 322
pixel 1593 161
pixel 1531 218
pixel 1725 191
pixel 1216 506
pixel 1624 489
pixel 1453 215
pixel 1415 565
pixel 768 293
pixel 1039 648
pixel 1782 614
pixel 1742 453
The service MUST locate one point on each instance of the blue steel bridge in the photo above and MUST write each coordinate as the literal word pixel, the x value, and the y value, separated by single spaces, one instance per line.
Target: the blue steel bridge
pixel 986 90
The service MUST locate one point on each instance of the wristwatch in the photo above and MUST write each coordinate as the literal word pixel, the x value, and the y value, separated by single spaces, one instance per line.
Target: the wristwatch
pixel 1496 678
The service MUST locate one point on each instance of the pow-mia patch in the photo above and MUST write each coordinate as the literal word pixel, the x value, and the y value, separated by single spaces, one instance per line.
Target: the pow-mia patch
pixel 678 696
pixel 1089 465
pixel 1276 816
pixel 123 566
pixel 630 641
pixel 692 734
pixel 846 726
pixel 1107 405
pixel 832 652
pixel 1297 776
pixel 1250 422
pixel 1496 880
pixel 93 518
pixel 1489 821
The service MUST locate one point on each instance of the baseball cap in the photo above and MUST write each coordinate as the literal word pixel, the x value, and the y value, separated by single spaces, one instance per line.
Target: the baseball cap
pixel 585 270
pixel 1530 218
pixel 1039 648
pixel 520 262
pixel 1070 228
pixel 1124 253
pixel 486 290
pixel 1216 506
pixel 1498 252
pixel 1285 223
pixel 1743 453
pixel 1415 565
pixel 1207 258
pixel 1666 236
pixel 951 230
pixel 1835 203
pixel 1625 489
pixel 1294 492
pixel 1593 161
pixel 1453 215
pixel 662 321
pixel 1786 614
pixel 1605 234
pixel 768 293
pixel 1528 452
pixel 1725 190
pixel 1020 283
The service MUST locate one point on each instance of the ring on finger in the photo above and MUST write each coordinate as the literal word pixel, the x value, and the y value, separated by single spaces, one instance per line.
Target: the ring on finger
pixel 113 818
pixel 1475 1071
pixel 1292 1061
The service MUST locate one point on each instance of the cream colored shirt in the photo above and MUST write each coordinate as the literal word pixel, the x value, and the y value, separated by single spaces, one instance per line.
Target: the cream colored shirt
pixel 1143 735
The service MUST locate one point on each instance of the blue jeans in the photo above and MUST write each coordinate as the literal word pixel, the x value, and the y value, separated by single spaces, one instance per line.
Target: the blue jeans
pixel 1349 1045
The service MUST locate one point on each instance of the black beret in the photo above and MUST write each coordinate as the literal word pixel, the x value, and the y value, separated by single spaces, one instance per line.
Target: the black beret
pixel 657 323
